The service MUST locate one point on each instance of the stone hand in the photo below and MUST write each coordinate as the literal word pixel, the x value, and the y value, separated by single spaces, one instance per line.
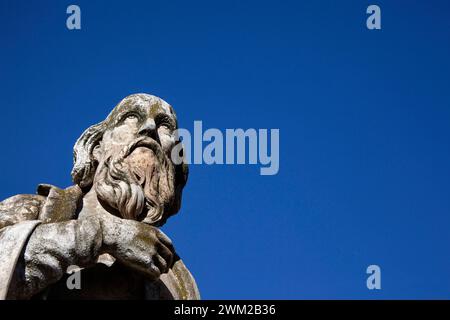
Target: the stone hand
pixel 137 245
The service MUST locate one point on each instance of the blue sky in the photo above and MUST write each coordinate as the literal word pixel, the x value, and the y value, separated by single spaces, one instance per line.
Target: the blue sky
pixel 363 118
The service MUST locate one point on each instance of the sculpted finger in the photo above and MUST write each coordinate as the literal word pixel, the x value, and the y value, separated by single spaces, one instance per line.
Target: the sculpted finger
pixel 153 271
pixel 161 263
pixel 164 239
pixel 166 253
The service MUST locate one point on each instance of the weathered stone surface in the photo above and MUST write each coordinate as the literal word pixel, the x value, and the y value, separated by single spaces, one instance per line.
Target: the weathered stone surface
pixel 126 186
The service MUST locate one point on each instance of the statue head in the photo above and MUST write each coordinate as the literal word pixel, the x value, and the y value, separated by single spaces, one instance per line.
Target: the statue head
pixel 127 160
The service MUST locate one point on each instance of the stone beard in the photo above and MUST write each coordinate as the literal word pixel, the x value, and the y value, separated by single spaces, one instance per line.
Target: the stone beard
pixel 126 186
pixel 138 183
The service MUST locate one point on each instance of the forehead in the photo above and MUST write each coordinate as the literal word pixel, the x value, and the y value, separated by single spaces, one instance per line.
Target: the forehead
pixel 144 104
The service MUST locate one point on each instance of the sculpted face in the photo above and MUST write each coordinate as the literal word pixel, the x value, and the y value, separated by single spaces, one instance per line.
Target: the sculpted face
pixel 140 116
pixel 134 176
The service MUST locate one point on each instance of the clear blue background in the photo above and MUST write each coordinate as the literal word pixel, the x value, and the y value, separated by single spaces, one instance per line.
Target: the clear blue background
pixel 364 120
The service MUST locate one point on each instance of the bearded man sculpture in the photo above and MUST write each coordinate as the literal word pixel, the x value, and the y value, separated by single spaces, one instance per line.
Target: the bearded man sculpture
pixel 125 187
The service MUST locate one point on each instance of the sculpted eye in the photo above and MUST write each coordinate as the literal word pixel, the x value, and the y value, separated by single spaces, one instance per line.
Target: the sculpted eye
pixel 165 125
pixel 132 116
pixel 163 120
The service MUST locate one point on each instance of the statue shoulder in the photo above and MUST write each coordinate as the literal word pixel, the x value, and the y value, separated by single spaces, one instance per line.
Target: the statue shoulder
pixel 50 204
pixel 19 208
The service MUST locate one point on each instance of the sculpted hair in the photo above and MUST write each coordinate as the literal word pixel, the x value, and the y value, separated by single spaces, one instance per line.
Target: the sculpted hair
pixel 84 163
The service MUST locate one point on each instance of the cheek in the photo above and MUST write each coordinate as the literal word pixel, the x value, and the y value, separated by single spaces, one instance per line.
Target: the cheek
pixel 166 138
pixel 123 134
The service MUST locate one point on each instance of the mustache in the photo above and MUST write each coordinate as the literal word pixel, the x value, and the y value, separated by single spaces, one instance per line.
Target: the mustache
pixel 146 142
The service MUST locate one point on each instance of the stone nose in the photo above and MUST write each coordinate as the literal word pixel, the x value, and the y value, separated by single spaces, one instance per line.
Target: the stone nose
pixel 148 128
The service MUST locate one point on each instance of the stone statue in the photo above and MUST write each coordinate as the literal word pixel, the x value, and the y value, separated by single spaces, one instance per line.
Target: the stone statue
pixel 125 187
